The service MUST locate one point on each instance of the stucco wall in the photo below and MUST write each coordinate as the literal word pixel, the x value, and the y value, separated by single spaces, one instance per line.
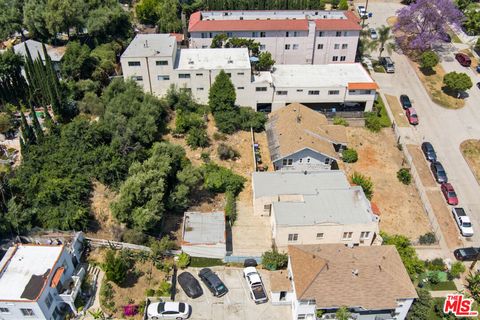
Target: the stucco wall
pixel 305 159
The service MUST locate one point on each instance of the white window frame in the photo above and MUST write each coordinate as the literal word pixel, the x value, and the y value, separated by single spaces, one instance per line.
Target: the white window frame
pixel 313 92
pixel 27 312
pixel 365 235
pixel 261 89
pixel 295 46
pixel 333 92
pixel 336 46
pixel 184 76
pixel 292 237
pixel 320 235
pixel 163 77
pixel 161 62
pixel 282 92
pixel 134 63
pixel 347 235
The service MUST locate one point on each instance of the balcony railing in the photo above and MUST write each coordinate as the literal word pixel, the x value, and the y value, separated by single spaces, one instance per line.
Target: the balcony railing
pixel 72 286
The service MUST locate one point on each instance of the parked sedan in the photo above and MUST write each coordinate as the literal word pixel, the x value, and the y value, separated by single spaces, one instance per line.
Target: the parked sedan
pixel 213 282
pixel 373 34
pixel 463 59
pixel 405 101
pixel 449 194
pixel 190 285
pixel 169 310
pixel 412 116
pixel 429 152
pixel 467 254
pixel 438 172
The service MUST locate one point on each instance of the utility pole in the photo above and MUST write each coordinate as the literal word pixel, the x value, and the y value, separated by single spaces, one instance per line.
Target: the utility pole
pixel 366 12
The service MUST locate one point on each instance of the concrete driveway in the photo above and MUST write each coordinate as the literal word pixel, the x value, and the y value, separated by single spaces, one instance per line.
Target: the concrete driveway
pixel 444 128
pixel 236 304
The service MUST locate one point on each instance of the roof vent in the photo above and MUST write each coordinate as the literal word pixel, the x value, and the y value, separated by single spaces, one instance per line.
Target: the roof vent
pixel 145 45
pixel 305 172
pixel 190 61
pixel 355 272
pixel 230 61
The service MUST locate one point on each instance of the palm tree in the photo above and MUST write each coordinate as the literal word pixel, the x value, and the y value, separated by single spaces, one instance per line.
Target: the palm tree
pixel 382 42
pixel 473 285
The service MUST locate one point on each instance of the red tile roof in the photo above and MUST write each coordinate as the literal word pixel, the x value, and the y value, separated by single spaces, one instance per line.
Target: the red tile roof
pixel 351 23
pixel 246 25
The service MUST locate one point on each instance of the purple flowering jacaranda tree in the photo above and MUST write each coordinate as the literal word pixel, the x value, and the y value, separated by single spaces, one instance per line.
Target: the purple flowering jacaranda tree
pixel 424 23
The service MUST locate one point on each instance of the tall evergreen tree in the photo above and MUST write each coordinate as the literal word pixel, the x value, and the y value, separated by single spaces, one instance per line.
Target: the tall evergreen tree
pixel 27 133
pixel 37 128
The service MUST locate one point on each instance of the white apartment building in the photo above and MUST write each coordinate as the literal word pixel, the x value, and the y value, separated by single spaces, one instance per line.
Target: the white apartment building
pixel 155 63
pixel 40 281
pixel 291 36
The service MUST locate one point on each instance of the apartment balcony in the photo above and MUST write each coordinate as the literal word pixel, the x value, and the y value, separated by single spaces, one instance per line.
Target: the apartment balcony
pixel 72 287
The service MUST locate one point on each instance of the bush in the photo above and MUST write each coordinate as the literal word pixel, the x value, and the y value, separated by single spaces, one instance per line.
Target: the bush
pixel 106 296
pixel 273 260
pixel 349 155
pixel 434 278
pixel 457 81
pixel 205 156
pixel 197 138
pixel 116 266
pixel 340 121
pixel 404 176
pixel 149 292
pixel 226 152
pixel 428 60
pixel 427 238
pixel 183 260
pixel 220 179
pixel 218 136
pixel 456 270
pixel 186 121
pixel 231 207
pixel 134 236
pixel 364 182
pixel 165 289
pixel 436 264
pixel 372 122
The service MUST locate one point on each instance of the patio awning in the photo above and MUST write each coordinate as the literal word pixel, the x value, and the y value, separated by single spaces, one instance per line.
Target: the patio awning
pixel 56 277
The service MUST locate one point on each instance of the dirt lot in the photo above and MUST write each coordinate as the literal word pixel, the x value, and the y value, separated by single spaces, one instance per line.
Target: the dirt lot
pixel 397 110
pixel 422 166
pixel 380 159
pixel 145 276
pixel 471 152
pixel 103 225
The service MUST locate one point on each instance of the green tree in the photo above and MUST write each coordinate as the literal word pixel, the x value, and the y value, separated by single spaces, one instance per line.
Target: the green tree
pixel 222 94
pixel 219 40
pixel 343 313
pixel 161 247
pixel 384 41
pixel 364 182
pixel 168 18
pixel 183 260
pixel 34 18
pixel 428 60
pixel 91 104
pixel 61 15
pixel 6 123
pixel 457 82
pixel 115 267
pixel 407 253
pixel 148 11
pixel 11 17
pixel 274 260
pixel 473 285
pixel 220 179
pixel 197 138
pixel 457 269
pixel 343 5
pixel 349 155
pixel 421 307
pixel 77 63
pixel 265 61
pixel 404 176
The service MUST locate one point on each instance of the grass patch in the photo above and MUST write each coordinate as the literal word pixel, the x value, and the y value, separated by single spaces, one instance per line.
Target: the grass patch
pixel 443 286
pixel 205 262
pixel 397 111
pixel 379 108
pixel 471 152
pixel 379 69
pixel 453 35
pixel 433 83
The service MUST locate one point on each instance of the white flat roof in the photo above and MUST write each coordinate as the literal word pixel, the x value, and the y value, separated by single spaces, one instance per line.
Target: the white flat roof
pixel 271 14
pixel 319 75
pixel 213 59
pixel 18 266
pixel 151 45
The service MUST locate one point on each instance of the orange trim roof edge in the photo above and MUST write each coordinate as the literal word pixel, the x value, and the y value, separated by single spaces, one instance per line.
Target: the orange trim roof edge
pixel 363 85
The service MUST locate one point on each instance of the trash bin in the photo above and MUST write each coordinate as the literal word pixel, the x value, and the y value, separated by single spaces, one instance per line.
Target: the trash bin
pixel 370 14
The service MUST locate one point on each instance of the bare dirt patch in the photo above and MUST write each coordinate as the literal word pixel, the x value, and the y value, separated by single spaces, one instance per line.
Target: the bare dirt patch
pixel 444 218
pixel 103 225
pixel 397 110
pixel 422 166
pixel 433 83
pixel 380 159
pixel 471 152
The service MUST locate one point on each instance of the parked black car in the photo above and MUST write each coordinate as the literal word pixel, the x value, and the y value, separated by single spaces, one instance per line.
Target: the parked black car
pixel 405 101
pixel 467 254
pixel 213 282
pixel 249 263
pixel 429 152
pixel 439 172
pixel 190 285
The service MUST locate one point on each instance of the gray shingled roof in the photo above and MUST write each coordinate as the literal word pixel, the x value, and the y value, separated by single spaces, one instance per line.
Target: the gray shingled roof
pixel 346 206
pixel 281 182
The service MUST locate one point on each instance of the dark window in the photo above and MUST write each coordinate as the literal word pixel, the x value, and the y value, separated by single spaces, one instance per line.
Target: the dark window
pixel 263 34
pixel 4 310
pixel 320 46
pixel 338 34
pixel 134 63
pixel 342 58
pixel 261 89
pixel 162 63
pixel 27 312
pixel 184 75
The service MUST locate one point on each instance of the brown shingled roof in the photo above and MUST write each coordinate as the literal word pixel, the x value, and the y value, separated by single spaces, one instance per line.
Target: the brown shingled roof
pixel 296 127
pixel 279 281
pixel 334 275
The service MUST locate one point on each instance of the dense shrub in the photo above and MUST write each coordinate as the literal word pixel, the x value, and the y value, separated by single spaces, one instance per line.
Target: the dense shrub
pixel 218 136
pixel 106 296
pixel 225 152
pixel 116 266
pixel 427 238
pixel 274 260
pixel 165 289
pixel 230 207
pixel 134 236
pixel 436 264
pixel 186 121
pixel 183 260
pixel 456 270
pixel 221 179
pixel 349 155
pixel 197 138
pixel 340 121
pixel 404 176
pixel 428 60
pixel 372 122
pixel 364 182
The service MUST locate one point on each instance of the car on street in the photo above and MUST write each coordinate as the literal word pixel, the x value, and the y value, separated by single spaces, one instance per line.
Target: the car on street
pixel 429 152
pixel 362 12
pixel 447 38
pixel 478 85
pixel 373 33
pixel 388 64
pixel 255 285
pixel 463 59
pixel 190 285
pixel 449 193
pixel 169 310
pixel 213 282
pixel 412 116
pixel 467 254
pixel 438 172
pixel 405 101
pixel 463 222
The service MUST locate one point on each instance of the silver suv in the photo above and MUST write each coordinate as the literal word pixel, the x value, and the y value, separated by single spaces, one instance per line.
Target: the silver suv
pixel 388 64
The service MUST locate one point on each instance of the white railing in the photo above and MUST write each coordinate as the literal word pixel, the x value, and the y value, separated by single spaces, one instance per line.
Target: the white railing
pixel 71 293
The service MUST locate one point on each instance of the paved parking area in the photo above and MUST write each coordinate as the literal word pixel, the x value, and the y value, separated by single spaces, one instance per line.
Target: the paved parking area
pixel 236 304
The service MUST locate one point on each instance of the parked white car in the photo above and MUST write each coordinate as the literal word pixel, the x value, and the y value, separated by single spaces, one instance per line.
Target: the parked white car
pixel 255 285
pixel 373 34
pixel 463 222
pixel 168 310
pixel 362 12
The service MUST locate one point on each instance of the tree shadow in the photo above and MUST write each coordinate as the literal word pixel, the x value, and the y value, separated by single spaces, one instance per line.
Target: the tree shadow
pixel 131 278
pixel 455 94
pixel 428 71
